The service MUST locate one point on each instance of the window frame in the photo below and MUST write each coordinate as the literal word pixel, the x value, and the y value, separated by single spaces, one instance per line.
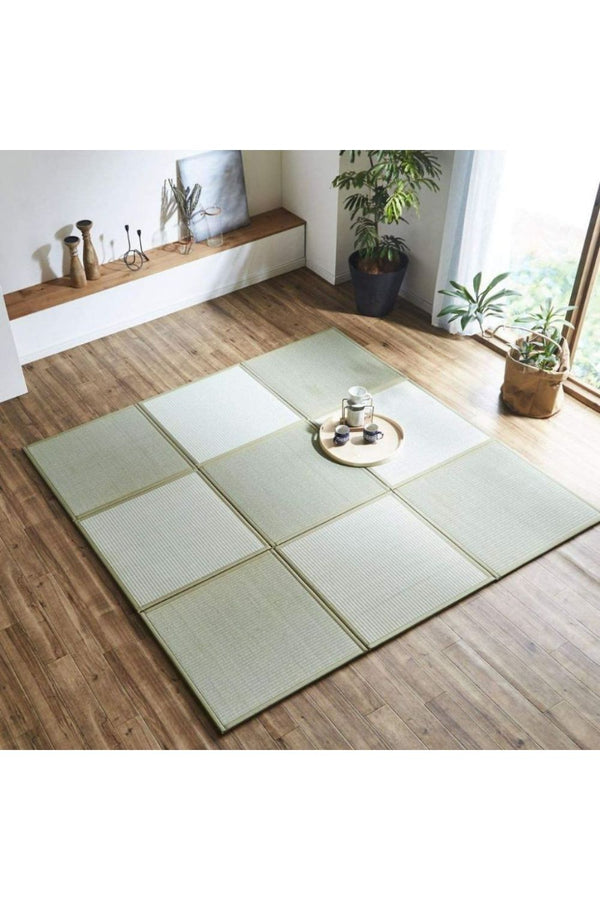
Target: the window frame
pixel 585 277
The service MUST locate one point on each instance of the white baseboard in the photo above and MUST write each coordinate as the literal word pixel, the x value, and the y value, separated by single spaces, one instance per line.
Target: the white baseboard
pixel 330 277
pixel 342 276
pixel 323 273
pixel 416 300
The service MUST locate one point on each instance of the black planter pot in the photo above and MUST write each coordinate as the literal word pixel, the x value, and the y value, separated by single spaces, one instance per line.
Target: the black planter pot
pixel 376 294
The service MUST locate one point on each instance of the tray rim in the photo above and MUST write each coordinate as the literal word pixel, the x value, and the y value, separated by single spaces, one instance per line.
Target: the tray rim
pixel 333 452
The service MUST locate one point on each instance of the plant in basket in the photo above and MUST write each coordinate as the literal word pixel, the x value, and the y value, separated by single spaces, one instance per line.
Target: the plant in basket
pixel 537 364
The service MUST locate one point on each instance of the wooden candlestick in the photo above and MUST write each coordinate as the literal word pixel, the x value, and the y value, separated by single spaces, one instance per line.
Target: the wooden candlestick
pixel 77 273
pixel 90 259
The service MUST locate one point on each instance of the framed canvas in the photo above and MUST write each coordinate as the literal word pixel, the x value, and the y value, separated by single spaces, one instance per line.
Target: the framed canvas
pixel 221 175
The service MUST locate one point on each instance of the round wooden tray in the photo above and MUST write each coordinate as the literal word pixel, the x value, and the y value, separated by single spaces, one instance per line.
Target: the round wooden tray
pixel 355 452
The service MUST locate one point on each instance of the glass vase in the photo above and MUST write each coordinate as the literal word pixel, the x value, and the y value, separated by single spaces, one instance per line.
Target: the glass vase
pixel 213 226
pixel 186 238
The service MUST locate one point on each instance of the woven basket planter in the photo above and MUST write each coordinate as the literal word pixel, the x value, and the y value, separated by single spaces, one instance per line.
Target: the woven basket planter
pixel 533 392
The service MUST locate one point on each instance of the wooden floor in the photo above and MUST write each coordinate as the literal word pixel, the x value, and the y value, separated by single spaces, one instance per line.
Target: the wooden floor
pixel 516 665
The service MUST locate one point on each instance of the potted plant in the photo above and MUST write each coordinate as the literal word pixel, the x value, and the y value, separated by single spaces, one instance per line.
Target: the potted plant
pixel 537 364
pixel 383 191
pixel 187 202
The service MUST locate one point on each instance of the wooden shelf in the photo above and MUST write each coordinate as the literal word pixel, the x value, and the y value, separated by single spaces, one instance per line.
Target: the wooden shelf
pixel 59 290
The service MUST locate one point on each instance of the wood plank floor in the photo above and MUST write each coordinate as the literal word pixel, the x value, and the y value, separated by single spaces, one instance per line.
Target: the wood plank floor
pixel 516 665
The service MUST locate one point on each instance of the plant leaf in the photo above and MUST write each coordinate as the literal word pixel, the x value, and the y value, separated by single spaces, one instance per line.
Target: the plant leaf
pixel 493 283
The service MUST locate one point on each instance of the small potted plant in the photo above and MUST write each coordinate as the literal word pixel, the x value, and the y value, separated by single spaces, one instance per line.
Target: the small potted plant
pixel 537 364
pixel 383 191
pixel 188 203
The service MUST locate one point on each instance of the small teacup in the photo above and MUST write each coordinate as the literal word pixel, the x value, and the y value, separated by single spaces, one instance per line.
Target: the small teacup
pixel 342 435
pixel 371 433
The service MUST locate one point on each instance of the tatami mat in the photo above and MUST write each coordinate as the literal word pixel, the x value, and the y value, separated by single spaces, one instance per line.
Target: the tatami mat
pixel 168 538
pixel 368 562
pixel 432 432
pixel 284 485
pixel 249 637
pixel 382 568
pixel 218 413
pixel 314 374
pixel 498 507
pixel 105 460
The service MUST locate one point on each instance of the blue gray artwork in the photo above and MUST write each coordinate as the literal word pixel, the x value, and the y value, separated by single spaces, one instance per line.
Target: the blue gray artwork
pixel 221 175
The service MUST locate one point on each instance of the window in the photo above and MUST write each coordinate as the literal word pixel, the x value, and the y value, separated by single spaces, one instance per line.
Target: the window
pixel 547 210
pixel 584 339
pixel 553 244
pixel 531 213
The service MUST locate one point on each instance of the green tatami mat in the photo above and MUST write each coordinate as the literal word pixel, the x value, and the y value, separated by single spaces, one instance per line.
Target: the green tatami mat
pixel 168 538
pixel 218 413
pixel 105 460
pixel 249 637
pixel 498 507
pixel 315 373
pixel 382 568
pixel 432 432
pixel 284 485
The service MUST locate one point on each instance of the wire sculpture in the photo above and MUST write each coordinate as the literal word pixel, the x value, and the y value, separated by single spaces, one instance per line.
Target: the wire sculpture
pixel 134 259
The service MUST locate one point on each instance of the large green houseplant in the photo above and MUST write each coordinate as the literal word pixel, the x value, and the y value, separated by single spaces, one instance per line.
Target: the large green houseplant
pixel 537 364
pixel 382 191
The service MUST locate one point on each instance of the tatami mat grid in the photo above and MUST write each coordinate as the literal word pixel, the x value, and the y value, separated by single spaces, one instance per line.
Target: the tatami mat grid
pixel 184 543
pixel 249 637
pixel 433 432
pixel 283 485
pixel 498 507
pixel 198 420
pixel 106 460
pixel 382 568
pixel 169 538
pixel 314 374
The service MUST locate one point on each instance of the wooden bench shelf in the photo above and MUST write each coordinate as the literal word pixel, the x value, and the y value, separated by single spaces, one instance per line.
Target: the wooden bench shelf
pixel 59 290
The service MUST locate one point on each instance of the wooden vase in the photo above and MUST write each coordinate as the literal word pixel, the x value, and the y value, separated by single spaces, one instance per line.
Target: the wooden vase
pixel 90 259
pixel 77 272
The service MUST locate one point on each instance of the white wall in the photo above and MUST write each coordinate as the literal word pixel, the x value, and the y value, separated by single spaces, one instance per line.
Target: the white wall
pixel 262 170
pixel 43 193
pixel 12 383
pixel 424 238
pixel 306 191
pixel 345 236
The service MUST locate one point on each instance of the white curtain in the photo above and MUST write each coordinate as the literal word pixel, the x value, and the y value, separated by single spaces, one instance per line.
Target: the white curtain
pixel 476 229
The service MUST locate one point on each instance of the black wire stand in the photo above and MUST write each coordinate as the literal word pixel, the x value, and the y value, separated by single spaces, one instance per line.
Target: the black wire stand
pixel 134 259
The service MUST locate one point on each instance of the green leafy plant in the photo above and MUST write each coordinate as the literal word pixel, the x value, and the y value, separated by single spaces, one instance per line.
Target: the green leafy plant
pixel 540 278
pixel 383 191
pixel 543 326
pixel 547 319
pixel 537 353
pixel 477 304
